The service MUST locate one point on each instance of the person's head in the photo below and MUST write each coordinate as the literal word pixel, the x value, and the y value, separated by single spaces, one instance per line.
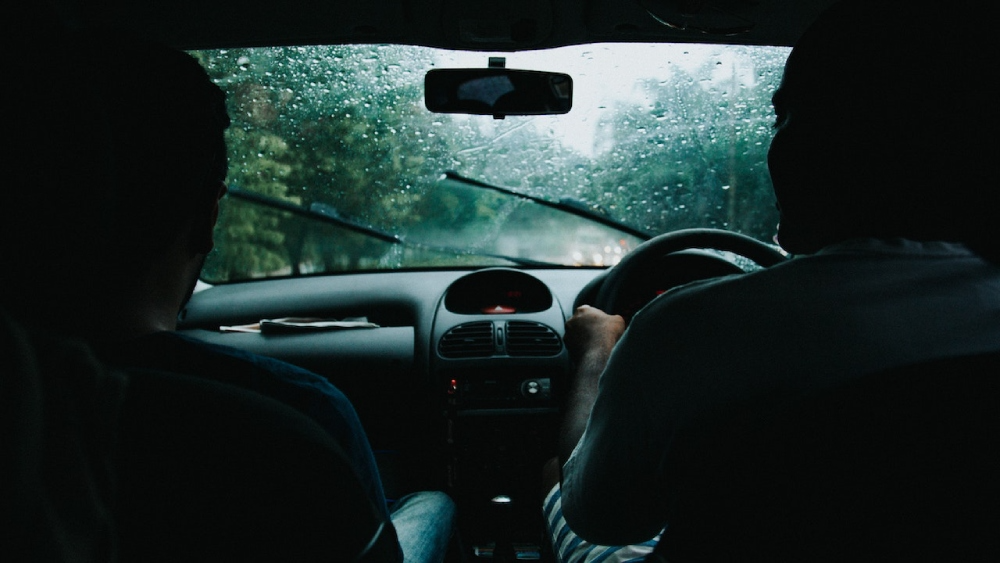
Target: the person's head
pixel 120 156
pixel 884 127
pixel 167 122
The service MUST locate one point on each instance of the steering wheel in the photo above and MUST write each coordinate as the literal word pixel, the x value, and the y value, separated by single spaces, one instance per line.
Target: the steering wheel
pixel 610 296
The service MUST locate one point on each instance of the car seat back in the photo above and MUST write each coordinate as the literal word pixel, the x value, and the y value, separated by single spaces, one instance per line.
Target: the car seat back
pixel 101 465
pixel 59 408
pixel 213 472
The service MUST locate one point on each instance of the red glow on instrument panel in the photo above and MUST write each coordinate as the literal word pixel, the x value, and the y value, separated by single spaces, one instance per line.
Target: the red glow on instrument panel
pixel 499 310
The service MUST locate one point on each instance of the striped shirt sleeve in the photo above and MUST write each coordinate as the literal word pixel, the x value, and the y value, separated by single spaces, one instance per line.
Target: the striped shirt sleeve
pixel 570 548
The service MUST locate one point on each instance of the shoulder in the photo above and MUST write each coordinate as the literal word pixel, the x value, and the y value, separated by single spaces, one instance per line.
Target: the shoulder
pixel 701 298
pixel 238 356
pixel 864 261
pixel 183 353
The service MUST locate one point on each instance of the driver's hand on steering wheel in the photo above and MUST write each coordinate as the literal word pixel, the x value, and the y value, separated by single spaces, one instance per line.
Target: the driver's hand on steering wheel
pixel 591 331
pixel 591 334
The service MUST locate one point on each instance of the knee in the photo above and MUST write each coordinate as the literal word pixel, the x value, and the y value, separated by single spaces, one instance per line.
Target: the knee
pixel 437 503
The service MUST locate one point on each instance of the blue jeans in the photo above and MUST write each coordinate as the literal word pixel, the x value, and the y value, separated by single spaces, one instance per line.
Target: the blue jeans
pixel 424 522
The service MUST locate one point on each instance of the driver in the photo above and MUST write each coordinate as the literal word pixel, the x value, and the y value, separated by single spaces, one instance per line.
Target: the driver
pixel 888 205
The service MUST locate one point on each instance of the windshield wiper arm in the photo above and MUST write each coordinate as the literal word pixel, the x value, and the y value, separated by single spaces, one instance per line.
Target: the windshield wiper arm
pixel 572 207
pixel 318 211
pixel 327 214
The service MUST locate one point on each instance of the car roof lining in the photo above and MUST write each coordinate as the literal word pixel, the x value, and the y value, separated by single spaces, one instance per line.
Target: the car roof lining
pixel 480 25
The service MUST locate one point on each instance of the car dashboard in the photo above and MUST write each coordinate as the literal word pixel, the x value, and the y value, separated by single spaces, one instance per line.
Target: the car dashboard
pixel 458 379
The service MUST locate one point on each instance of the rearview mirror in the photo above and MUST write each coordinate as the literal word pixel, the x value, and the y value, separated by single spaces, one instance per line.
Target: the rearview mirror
pixel 497 91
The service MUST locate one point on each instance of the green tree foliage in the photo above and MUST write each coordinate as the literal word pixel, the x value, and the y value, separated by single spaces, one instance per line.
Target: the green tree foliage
pixel 301 134
pixel 689 156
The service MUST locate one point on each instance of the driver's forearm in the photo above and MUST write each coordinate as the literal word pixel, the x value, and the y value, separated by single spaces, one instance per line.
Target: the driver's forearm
pixel 580 399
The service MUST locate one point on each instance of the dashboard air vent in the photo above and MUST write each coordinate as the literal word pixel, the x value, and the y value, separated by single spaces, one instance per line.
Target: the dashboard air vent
pixel 470 340
pixel 532 339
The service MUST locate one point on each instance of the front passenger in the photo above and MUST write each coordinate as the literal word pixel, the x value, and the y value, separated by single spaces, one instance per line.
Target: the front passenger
pixel 119 166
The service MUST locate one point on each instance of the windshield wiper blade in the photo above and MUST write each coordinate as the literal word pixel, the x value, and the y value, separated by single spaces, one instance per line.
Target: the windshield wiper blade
pixel 327 214
pixel 573 207
pixel 317 211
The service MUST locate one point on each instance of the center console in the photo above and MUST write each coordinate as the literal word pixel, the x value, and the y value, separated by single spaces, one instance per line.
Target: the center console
pixel 501 366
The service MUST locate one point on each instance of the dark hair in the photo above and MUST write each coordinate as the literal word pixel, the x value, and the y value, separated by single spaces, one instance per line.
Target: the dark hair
pixel 166 121
pixel 116 144
pixel 901 142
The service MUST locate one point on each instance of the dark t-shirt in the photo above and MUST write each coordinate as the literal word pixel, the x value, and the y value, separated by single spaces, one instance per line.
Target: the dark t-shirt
pixel 299 388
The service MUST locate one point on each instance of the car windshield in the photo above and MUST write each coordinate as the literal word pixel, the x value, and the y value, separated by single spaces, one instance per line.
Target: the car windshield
pixel 336 164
